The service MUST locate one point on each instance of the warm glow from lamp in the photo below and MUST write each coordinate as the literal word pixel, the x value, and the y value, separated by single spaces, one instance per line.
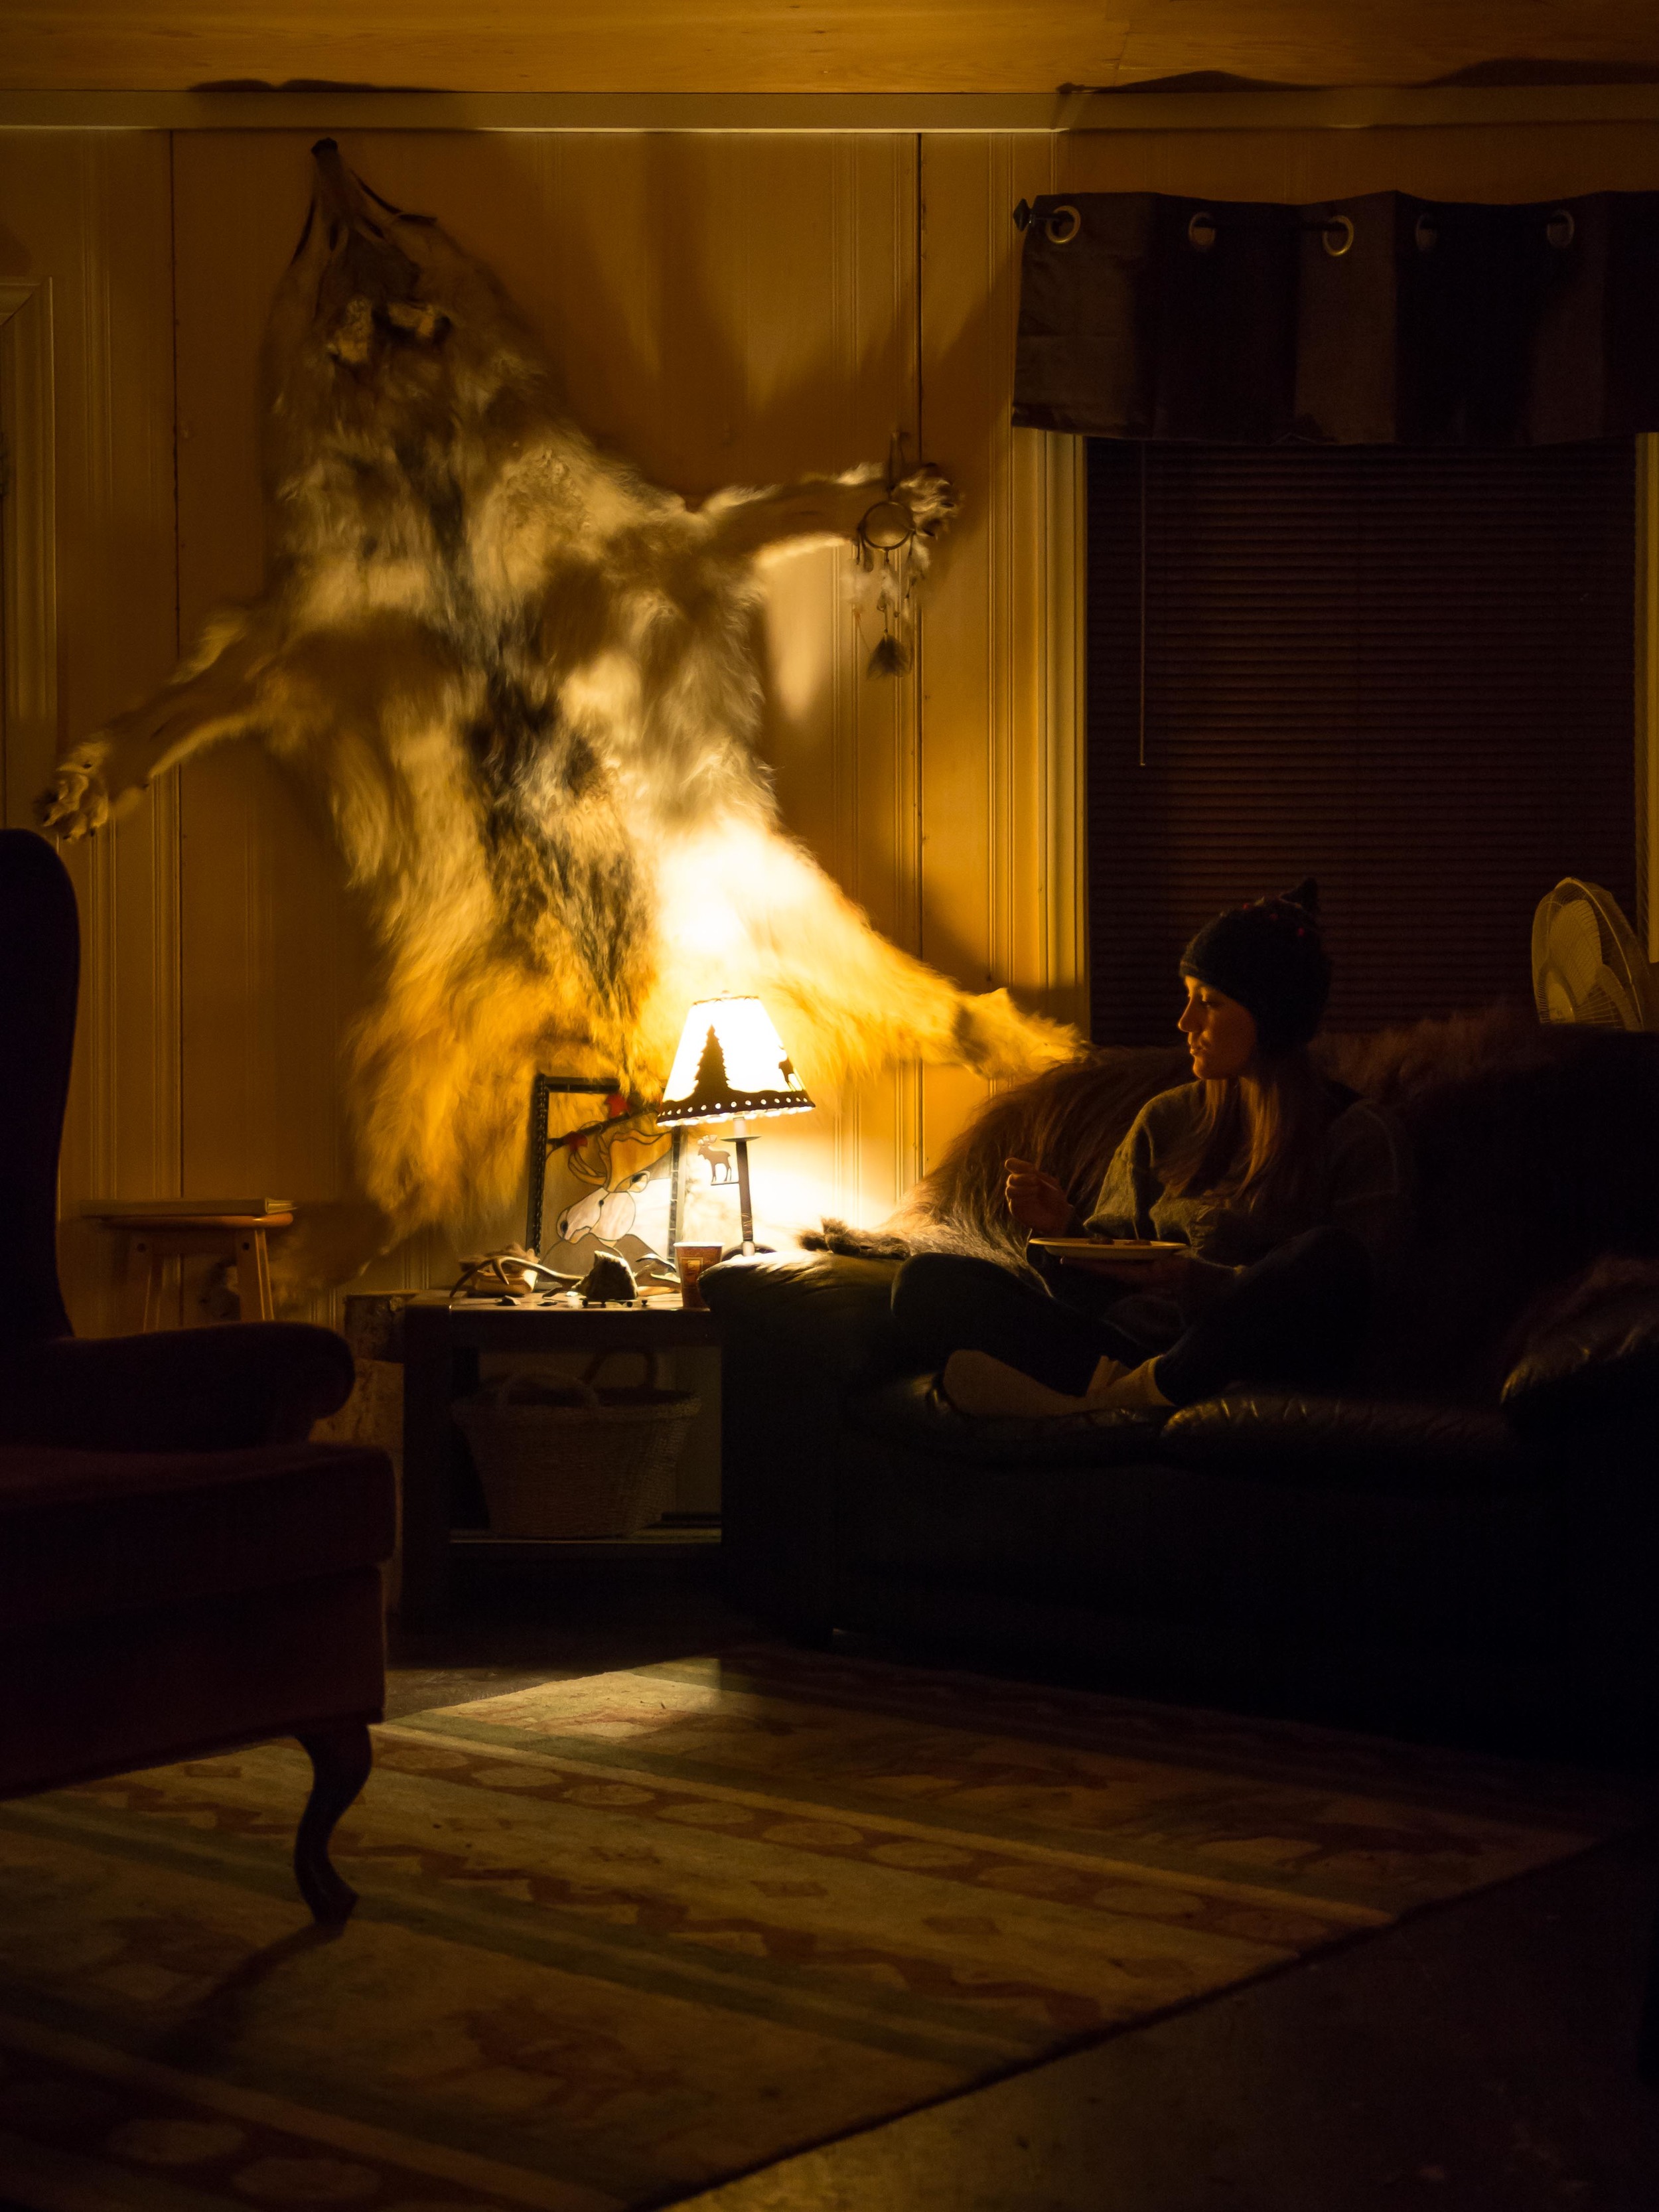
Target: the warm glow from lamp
pixel 731 1066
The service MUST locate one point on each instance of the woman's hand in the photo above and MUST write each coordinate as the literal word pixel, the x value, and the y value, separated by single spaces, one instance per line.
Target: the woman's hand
pixel 1036 1201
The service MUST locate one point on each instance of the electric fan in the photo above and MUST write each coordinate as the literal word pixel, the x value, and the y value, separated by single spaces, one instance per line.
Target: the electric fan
pixel 1587 966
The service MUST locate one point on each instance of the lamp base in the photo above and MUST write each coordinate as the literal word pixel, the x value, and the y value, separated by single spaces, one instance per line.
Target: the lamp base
pixel 746 1204
pixel 745 1207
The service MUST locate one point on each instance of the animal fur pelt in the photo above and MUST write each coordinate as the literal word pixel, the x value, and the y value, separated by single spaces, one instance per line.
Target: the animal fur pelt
pixel 524 683
pixel 1533 1154
pixel 1071 1119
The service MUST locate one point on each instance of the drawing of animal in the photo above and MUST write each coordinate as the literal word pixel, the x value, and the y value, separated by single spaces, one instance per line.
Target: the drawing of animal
pixel 722 1169
pixel 523 683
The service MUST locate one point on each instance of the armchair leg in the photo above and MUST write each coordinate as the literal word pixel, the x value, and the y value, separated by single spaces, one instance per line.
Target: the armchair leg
pixel 341 1758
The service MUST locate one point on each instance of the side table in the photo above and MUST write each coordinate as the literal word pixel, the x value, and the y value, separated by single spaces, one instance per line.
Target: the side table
pixel 442 1345
pixel 155 1238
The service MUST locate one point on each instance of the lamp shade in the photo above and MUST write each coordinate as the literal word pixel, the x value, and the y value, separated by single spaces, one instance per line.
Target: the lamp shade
pixel 731 1066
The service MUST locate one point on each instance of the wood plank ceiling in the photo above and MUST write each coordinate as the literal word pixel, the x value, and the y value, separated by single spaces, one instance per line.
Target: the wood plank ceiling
pixel 804 46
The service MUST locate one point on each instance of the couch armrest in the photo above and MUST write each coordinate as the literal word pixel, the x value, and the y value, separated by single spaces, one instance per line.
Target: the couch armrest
pixel 795 1336
pixel 833 1309
pixel 1378 1444
pixel 1600 1365
pixel 182 1389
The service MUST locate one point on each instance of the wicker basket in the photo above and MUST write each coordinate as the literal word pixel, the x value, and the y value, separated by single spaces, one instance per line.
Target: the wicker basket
pixel 569 1460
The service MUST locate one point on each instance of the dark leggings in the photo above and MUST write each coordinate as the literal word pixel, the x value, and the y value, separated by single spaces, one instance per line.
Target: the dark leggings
pixel 1297 1317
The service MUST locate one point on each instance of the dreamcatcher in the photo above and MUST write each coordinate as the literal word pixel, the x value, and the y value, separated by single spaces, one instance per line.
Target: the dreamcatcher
pixel 893 553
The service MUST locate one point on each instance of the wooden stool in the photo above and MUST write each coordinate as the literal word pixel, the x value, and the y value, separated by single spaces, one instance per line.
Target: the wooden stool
pixel 241 1236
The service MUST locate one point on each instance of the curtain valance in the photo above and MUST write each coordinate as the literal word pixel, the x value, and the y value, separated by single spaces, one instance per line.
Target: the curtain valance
pixel 1380 321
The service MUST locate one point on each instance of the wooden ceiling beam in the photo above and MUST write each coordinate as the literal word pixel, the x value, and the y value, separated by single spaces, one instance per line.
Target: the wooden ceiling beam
pixel 1358 108
pixel 808 46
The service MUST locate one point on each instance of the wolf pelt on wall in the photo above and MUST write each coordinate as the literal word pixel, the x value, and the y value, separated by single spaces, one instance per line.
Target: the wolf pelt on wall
pixel 524 684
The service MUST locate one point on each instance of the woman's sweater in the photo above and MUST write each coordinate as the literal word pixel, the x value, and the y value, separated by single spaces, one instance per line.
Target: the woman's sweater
pixel 1360 1185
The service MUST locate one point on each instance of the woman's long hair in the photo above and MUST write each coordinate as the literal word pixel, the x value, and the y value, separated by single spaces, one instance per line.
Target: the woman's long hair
pixel 1260 1136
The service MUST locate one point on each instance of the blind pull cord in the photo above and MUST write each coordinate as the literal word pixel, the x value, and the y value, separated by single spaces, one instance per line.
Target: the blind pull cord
pixel 1142 754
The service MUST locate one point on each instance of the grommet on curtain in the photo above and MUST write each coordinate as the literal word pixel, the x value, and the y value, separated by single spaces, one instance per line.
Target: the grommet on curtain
pixel 1336 235
pixel 1560 229
pixel 1427 233
pixel 1062 225
pixel 1200 231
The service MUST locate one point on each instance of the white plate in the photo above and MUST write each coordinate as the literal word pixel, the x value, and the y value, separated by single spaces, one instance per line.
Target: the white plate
pixel 1101 1251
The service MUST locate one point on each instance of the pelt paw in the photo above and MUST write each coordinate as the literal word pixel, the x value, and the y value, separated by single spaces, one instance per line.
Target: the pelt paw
pixel 995 1037
pixel 931 498
pixel 76 803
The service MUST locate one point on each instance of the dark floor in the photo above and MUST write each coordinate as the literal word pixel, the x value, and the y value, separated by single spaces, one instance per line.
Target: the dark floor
pixel 507 1630
pixel 1479 2058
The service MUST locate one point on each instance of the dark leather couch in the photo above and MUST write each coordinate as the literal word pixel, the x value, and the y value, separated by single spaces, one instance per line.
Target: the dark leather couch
pixel 1469 1547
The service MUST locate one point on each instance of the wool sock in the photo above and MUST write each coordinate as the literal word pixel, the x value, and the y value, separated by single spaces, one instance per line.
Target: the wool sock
pixel 1107 1372
pixel 1134 1390
pixel 989 1390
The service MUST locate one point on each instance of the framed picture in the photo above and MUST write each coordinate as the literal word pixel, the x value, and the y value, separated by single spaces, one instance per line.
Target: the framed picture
pixel 542 1089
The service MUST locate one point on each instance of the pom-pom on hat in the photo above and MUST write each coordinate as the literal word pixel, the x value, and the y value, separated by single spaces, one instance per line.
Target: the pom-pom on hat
pixel 1268 955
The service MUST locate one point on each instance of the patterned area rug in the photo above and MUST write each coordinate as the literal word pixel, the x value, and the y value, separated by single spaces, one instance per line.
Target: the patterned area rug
pixel 622 1937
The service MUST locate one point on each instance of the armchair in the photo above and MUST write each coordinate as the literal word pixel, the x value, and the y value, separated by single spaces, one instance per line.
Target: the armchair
pixel 180 1572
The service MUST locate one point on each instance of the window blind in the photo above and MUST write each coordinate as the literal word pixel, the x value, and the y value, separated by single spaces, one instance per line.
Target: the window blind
pixel 1408 672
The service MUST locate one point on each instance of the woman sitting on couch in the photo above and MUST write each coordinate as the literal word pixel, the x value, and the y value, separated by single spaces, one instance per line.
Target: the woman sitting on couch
pixel 1286 1189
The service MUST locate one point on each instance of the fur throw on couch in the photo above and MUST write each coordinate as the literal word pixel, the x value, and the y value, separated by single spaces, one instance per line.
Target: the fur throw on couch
pixel 1536 1151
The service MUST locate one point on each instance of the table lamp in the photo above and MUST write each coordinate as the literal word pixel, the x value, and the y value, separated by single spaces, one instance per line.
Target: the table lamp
pixel 731 1067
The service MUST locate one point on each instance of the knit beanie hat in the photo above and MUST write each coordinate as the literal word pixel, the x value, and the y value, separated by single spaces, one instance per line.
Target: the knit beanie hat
pixel 1269 956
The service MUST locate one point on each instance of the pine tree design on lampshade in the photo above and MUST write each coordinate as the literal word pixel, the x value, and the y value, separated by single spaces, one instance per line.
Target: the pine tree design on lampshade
pixel 731 1066
pixel 713 1081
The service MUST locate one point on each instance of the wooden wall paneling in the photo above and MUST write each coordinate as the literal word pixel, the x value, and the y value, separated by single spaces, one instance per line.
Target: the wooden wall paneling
pixel 721 309
pixel 1062 647
pixel 87 220
pixel 28 551
pixel 1002 873
pixel 119 635
pixel 842 744
pixel 877 856
pixel 273 958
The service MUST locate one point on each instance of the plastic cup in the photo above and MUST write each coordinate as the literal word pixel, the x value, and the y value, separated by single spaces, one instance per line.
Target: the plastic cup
pixel 690 1260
